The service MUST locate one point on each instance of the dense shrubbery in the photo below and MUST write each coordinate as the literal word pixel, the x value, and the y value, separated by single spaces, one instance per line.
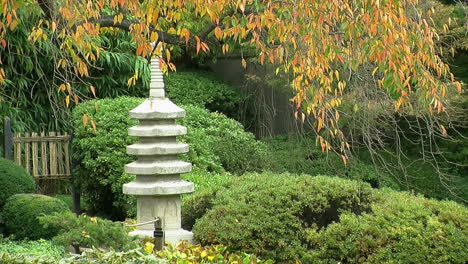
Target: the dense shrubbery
pixel 267 214
pixel 195 205
pixel 401 228
pixel 95 256
pixel 299 155
pixel 14 179
pixel 217 143
pixel 31 248
pixel 87 232
pixel 21 212
pixel 183 253
pixel 188 253
pixel 101 154
pixel 203 89
pixel 328 220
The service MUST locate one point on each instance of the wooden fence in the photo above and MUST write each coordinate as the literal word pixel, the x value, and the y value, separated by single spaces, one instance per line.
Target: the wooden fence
pixel 43 155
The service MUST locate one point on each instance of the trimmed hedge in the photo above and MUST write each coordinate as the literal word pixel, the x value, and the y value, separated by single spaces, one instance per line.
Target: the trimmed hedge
pixel 401 228
pixel 266 214
pixel 21 213
pixel 14 179
pixel 328 220
pixel 215 146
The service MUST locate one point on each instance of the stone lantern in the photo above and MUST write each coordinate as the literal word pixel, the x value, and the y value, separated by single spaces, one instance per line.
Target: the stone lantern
pixel 158 185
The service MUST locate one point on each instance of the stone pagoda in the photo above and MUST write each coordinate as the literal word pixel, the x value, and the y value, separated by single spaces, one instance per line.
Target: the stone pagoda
pixel 158 185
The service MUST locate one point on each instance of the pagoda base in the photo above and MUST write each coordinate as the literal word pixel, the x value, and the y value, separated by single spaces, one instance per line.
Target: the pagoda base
pixel 171 236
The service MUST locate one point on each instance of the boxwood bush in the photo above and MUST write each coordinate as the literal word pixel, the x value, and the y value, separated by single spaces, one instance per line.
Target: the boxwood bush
pixel 216 142
pixel 329 220
pixel 267 214
pixel 14 179
pixel 401 228
pixel 21 212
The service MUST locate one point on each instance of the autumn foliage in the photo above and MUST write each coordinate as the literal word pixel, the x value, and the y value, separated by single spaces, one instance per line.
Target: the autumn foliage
pixel 317 44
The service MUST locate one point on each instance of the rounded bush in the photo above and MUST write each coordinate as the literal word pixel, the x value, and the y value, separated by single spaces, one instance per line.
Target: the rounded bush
pixel 268 214
pixel 14 179
pixel 203 89
pixel 214 141
pixel 21 212
pixel 219 143
pixel 401 228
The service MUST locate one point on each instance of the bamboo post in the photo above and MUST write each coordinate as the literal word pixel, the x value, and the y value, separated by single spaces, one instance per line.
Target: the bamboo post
pixel 44 156
pixel 76 190
pixel 27 158
pixel 66 146
pixel 18 150
pixel 53 155
pixel 35 155
pixel 60 159
pixel 8 140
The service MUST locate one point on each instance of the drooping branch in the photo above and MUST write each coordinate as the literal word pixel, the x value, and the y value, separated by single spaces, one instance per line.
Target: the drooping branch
pixel 48 7
pixel 108 21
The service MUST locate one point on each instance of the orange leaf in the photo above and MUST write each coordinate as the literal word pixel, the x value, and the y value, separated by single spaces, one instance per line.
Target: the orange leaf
pixel 85 120
pixel 343 157
pixel 93 125
pixel 93 90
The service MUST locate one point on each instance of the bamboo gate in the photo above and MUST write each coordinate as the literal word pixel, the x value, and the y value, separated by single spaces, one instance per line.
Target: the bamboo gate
pixel 46 156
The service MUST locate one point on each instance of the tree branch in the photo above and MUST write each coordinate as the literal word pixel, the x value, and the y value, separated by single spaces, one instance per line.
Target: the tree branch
pixel 108 21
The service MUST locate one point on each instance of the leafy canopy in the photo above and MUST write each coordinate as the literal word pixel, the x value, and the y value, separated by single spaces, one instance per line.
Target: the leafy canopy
pixel 318 44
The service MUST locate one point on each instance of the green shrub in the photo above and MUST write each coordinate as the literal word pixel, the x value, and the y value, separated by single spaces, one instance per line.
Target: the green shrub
pixel 31 248
pixel 267 214
pixel 92 256
pixel 195 205
pixel 203 89
pixel 214 140
pixel 300 154
pixel 401 228
pixel 183 253
pixel 87 232
pixel 14 179
pixel 101 154
pixel 21 212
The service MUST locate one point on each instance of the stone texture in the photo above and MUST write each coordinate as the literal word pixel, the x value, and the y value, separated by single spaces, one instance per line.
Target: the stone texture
pixel 157 108
pixel 158 185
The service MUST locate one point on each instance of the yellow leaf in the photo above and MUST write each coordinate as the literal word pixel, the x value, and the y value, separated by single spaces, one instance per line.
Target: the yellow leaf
pixel 168 55
pixel 244 63
pixel 172 31
pixel 218 33
pixel 67 100
pixel 149 247
pixel 154 36
pixel 203 254
pixel 444 131
pixel 54 27
pixel 62 87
